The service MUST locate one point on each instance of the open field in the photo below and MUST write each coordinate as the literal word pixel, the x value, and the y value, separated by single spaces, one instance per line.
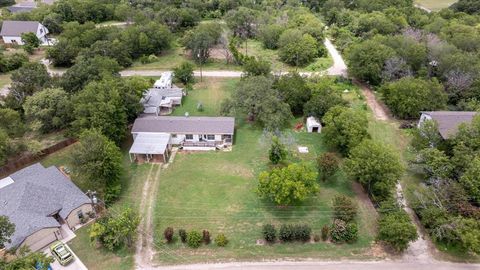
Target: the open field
pixel 435 5
pixel 176 55
pixel 216 191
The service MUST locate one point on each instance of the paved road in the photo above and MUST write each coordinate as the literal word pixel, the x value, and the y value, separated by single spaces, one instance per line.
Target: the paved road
pixel 326 265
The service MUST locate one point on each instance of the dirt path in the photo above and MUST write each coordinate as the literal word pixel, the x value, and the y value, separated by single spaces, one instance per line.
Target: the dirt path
pixel 144 248
pixel 379 110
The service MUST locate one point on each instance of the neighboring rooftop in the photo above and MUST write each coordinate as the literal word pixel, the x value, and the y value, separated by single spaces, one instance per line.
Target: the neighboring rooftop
pixel 22 7
pixel 449 121
pixel 34 196
pixel 184 124
pixel 156 97
pixel 17 28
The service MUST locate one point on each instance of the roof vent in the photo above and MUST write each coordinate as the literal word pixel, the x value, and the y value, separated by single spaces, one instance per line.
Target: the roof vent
pixel 187 114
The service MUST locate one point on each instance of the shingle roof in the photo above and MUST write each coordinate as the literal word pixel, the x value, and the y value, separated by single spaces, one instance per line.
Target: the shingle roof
pixel 20 8
pixel 36 193
pixel 449 121
pixel 17 28
pixel 184 125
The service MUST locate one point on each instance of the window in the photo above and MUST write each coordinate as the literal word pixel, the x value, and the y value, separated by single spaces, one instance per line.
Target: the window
pixel 174 135
pixel 80 214
pixel 189 137
pixel 210 137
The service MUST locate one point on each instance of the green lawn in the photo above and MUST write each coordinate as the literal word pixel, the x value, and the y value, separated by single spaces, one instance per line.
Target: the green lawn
pixel 216 191
pixel 435 5
pixel 101 259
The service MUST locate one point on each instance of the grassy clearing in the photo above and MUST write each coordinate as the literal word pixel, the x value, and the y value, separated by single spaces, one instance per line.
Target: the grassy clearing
pixel 101 259
pixel 216 191
pixel 435 5
pixel 255 48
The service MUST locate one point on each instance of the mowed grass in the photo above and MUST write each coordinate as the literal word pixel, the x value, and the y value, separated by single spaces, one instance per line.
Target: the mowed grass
pixel 217 191
pixel 133 181
pixel 435 5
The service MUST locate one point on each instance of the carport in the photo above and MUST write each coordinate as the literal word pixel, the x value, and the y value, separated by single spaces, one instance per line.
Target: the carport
pixel 150 147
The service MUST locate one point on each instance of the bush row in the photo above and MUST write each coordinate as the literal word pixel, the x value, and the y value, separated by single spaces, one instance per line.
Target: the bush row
pixel 287 233
pixel 193 238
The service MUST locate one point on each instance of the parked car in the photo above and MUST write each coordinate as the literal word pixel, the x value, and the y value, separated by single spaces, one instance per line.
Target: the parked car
pixel 61 253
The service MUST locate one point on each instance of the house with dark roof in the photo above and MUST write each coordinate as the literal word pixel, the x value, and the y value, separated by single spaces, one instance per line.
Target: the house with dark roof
pixel 12 31
pixel 43 204
pixel 447 121
pixel 154 136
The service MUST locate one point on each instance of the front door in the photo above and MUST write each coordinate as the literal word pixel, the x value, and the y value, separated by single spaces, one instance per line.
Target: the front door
pixel 202 137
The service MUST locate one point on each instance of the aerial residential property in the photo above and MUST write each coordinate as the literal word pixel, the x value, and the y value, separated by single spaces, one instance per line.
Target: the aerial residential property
pixel 162 98
pixel 44 205
pixel 12 31
pixel 240 134
pixel 154 136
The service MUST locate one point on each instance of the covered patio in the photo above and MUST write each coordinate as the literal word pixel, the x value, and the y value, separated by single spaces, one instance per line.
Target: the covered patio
pixel 150 147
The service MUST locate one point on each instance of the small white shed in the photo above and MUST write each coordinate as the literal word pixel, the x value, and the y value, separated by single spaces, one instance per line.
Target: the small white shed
pixel 313 125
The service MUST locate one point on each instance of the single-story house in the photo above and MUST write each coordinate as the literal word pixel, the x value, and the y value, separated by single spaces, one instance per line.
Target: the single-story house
pixel 153 136
pixel 447 121
pixel 12 31
pixel 313 125
pixel 161 101
pixel 22 7
pixel 42 203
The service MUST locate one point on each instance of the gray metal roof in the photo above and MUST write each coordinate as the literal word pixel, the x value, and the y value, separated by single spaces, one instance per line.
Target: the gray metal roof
pixel 36 193
pixel 449 121
pixel 17 28
pixel 184 125
pixel 160 97
pixel 150 143
pixel 21 8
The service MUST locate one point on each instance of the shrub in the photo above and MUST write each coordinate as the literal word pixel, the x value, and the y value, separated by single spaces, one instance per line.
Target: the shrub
pixel 183 235
pixel 206 237
pixel 194 239
pixel 325 232
pixel 351 235
pixel 286 233
pixel 327 165
pixel 344 208
pixel 168 234
pixel 302 233
pixel 269 233
pixel 316 238
pixel 277 151
pixel 221 240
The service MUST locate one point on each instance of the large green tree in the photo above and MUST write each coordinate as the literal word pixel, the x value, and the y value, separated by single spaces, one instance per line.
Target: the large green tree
pixel 366 60
pixel 407 97
pixel 97 161
pixel 256 98
pixel 294 91
pixel 49 109
pixel 471 180
pixel 201 40
pixel 30 78
pixel 11 122
pixel 345 128
pixel 322 99
pixel 101 106
pixel 376 166
pixel 291 184
pixel 296 48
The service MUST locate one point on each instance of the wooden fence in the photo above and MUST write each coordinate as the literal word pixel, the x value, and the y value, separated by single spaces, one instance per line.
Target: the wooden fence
pixel 23 161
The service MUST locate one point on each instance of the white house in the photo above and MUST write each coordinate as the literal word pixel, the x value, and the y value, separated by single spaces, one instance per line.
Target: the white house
pixel 154 136
pixel 313 125
pixel 12 31
pixel 163 97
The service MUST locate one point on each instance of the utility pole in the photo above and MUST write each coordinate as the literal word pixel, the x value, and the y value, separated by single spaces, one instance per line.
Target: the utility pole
pixel 201 62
